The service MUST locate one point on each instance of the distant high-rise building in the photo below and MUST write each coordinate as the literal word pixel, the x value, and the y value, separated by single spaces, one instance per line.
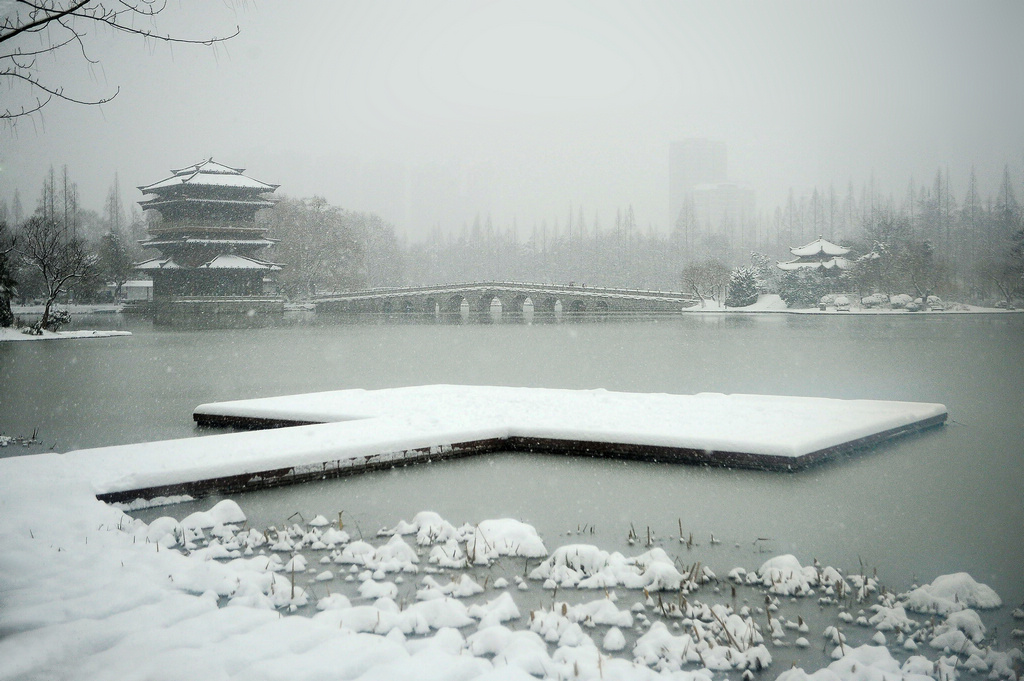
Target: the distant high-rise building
pixel 692 162
pixel 698 178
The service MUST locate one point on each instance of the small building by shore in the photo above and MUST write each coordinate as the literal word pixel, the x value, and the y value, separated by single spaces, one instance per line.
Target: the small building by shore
pixel 820 255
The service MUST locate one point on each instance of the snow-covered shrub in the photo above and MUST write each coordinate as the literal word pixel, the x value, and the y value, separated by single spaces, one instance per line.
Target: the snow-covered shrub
pixel 900 301
pixel 742 288
pixel 802 288
pixel 874 300
pixel 58 318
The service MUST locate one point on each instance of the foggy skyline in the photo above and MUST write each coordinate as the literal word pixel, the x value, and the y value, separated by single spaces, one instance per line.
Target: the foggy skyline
pixel 430 114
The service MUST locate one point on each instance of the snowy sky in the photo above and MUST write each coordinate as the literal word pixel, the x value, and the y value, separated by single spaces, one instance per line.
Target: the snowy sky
pixel 432 112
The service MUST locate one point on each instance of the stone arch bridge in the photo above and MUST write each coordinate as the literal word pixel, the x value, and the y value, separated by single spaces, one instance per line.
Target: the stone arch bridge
pixel 515 298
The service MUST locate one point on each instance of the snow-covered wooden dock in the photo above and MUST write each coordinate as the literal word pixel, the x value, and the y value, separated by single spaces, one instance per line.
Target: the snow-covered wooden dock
pixel 350 431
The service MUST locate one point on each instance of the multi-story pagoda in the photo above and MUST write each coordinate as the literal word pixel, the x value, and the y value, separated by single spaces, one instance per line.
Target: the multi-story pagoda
pixel 207 233
pixel 818 255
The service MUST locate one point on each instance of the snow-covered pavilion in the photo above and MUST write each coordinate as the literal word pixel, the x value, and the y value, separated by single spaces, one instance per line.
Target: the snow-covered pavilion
pixel 207 235
pixel 818 255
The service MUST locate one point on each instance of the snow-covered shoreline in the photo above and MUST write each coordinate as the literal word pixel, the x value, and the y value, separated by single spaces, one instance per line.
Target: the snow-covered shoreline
pixel 13 335
pixel 91 593
pixel 773 304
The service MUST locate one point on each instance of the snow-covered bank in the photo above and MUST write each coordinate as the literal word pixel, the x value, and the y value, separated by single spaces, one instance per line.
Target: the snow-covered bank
pixel 10 334
pixel 90 593
pixel 104 308
pixel 772 303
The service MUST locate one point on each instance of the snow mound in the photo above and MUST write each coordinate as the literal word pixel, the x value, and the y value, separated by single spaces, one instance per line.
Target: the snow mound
pixel 785 576
pixel 587 567
pixel 504 537
pixel 429 528
pixel 950 593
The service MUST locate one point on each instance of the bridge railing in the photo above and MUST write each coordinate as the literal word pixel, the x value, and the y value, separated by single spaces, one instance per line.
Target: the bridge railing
pixel 504 285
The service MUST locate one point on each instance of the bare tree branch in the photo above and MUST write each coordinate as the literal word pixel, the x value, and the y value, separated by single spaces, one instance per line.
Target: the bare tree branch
pixel 58 92
pixel 45 17
pixel 11 29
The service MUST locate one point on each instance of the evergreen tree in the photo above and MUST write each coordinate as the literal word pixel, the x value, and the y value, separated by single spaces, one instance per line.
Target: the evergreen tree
pixel 114 263
pixel 742 288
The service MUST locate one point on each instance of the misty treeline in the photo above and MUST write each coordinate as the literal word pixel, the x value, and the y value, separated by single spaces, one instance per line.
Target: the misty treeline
pixel 932 240
pixel 326 248
pixel 577 251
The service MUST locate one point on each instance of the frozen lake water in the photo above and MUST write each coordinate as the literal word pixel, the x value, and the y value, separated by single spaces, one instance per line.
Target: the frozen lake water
pixel 948 500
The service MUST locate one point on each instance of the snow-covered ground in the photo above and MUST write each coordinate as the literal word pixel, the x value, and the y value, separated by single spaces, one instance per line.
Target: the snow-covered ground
pixel 11 334
pixel 90 593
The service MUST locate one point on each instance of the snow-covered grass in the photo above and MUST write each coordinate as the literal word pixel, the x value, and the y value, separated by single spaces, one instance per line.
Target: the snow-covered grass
pixel 91 593
pixel 12 334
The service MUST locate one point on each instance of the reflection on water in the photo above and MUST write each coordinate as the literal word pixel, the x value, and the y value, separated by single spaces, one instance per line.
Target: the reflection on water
pixel 946 501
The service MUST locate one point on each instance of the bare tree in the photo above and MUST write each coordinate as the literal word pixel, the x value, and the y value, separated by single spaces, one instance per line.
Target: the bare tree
pixel 60 27
pixel 59 257
pixel 706 279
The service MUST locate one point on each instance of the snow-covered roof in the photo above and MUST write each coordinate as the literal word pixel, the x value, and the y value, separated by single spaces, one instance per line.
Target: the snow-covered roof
pixel 195 241
pixel 831 263
pixel 208 166
pixel 231 261
pixel 817 247
pixel 164 200
pixel 158 264
pixel 209 174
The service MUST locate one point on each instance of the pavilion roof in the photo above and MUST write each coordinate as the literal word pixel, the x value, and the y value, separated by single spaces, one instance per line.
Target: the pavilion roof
pixel 819 247
pixel 831 263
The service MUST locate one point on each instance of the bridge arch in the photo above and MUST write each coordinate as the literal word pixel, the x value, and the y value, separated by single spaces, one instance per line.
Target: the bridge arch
pixel 546 304
pixel 575 306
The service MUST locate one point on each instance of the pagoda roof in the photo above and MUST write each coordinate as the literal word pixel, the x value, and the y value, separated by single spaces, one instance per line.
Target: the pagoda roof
pixel 232 261
pixel 208 174
pixel 193 241
pixel 158 264
pixel 819 247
